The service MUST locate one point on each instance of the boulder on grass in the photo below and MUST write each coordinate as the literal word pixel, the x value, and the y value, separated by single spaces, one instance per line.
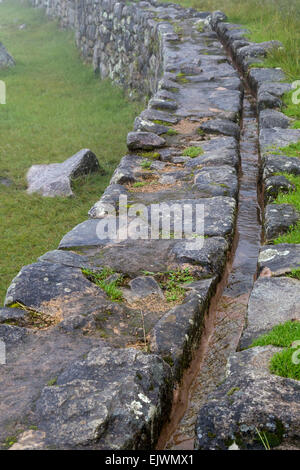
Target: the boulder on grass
pixel 55 179
pixel 6 59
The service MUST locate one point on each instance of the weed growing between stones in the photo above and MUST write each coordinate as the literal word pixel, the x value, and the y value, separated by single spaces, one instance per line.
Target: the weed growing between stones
pixel 171 132
pixel 295 274
pixel 146 165
pixel 101 279
pixel 33 319
pixel 171 283
pixel 181 78
pixel 52 382
pixel 149 154
pixel 192 152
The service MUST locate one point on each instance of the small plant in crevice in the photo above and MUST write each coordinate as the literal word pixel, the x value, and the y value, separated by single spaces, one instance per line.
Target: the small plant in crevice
pixel 192 152
pixel 139 184
pixel 150 154
pixel 101 279
pixel 181 78
pixel 171 132
pixel 52 382
pixel 264 439
pixel 294 274
pixel 146 165
pixel 171 282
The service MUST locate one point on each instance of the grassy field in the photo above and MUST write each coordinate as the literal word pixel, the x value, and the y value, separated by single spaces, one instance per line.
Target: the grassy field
pixel 55 106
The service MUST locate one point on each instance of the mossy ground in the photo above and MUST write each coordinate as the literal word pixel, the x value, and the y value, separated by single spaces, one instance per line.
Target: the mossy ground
pixel 55 106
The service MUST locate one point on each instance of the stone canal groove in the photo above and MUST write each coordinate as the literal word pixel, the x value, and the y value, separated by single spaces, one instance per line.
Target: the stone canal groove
pixel 100 332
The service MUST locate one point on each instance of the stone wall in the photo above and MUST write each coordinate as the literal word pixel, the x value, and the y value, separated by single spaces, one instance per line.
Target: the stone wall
pixel 123 41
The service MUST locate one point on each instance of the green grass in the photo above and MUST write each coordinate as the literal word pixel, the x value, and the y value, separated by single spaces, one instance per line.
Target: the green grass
pixel 292 150
pixel 55 106
pixel 146 164
pixel 101 280
pixel 282 364
pixel 172 132
pixel 283 335
pixel 192 152
pixel 295 274
pixel 292 197
pixel 173 284
pixel 292 110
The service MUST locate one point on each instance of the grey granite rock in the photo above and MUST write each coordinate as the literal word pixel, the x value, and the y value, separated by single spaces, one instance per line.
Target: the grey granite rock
pixel 278 219
pixel 269 118
pixel 256 49
pixel 111 195
pixel 217 181
pixel 144 141
pixel 211 257
pixel 141 287
pixel 11 314
pixel 84 234
pixel 250 399
pixel 122 399
pixel 269 95
pixel 127 171
pixel 175 335
pixel 55 179
pixel 6 59
pixel 279 259
pixel 277 137
pixel 149 126
pixel 39 283
pixel 66 258
pixel 258 76
pixel 277 163
pixel 272 301
pixel 6 181
pixel 221 126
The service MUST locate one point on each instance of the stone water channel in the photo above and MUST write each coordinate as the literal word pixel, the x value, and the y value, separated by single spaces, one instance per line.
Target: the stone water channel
pixel 227 318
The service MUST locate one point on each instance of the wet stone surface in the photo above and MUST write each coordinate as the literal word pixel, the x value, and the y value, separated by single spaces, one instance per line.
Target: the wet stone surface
pixel 250 399
pixel 119 343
